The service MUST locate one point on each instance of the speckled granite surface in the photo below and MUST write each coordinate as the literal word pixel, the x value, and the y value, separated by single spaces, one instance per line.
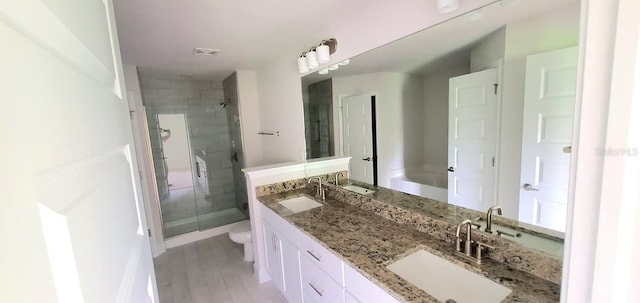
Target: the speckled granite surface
pixel 437 219
pixel 440 219
pixel 368 243
pixel 298 183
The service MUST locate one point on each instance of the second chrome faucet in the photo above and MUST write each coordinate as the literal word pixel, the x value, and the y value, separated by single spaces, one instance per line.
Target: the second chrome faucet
pixel 497 208
pixel 319 189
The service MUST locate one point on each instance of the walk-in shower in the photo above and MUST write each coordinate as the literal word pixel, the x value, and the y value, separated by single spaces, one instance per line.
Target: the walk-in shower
pixel 193 150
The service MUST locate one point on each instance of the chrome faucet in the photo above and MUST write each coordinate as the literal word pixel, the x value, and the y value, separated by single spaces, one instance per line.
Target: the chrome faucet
pixel 467 242
pixel 319 191
pixel 338 174
pixel 490 216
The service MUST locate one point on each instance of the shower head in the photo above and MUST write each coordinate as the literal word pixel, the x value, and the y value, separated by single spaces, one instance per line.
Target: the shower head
pixel 225 103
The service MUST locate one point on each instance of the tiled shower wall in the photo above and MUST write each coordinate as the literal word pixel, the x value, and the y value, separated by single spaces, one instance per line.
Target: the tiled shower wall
pixel 208 134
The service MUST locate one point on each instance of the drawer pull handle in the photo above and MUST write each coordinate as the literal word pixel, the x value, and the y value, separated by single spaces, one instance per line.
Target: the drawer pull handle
pixel 317 291
pixel 313 255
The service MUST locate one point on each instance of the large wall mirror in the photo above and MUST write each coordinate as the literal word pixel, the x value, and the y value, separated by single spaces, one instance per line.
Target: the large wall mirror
pixel 475 111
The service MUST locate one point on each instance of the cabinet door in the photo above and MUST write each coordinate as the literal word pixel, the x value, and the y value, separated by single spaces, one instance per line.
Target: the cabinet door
pixel 273 250
pixel 291 269
pixel 349 298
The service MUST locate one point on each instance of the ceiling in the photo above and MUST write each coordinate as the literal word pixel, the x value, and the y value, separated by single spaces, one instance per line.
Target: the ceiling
pixel 159 36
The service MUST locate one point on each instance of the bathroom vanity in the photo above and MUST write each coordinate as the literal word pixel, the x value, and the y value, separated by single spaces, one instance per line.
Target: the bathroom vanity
pixel 387 246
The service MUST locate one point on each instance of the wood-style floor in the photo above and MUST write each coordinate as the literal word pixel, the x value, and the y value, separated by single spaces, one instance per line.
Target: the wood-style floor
pixel 210 271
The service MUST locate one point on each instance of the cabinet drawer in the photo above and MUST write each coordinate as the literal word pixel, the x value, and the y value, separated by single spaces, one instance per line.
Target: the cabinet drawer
pixel 363 289
pixel 317 285
pixel 321 257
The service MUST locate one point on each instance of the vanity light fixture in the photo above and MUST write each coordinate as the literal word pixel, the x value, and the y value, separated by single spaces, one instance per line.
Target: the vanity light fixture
pixel 302 64
pixel 312 58
pixel 326 70
pixel 324 54
pixel 317 55
pixel 473 15
pixel 447 6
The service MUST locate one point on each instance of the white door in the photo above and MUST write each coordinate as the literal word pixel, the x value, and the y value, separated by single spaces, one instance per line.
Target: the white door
pixel 357 138
pixel 472 139
pixel 72 222
pixel 550 86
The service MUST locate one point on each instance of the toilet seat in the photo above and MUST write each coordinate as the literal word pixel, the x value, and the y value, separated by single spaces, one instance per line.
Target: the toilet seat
pixel 241 233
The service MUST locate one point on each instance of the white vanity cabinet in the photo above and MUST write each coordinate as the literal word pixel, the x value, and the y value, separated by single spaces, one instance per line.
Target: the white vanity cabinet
pixel 305 271
pixel 322 272
pixel 282 257
pixel 361 289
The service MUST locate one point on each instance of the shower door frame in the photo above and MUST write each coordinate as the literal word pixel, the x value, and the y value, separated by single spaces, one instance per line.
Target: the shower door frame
pixel 157 231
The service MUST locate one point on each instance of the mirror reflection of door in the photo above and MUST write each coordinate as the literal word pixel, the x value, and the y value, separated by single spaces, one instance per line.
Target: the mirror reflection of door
pixel 546 137
pixel 358 137
pixel 472 139
pixel 413 73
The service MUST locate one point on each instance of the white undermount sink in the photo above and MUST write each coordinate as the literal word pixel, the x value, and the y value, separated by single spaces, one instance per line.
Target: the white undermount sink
pixel 358 189
pixel 299 204
pixel 444 280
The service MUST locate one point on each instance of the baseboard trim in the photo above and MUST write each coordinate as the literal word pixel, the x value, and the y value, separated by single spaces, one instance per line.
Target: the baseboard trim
pixel 199 235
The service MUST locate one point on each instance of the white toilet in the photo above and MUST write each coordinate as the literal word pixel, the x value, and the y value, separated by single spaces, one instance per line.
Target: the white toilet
pixel 241 234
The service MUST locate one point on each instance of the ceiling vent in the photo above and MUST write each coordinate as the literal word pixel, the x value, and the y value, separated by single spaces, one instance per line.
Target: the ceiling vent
pixel 199 51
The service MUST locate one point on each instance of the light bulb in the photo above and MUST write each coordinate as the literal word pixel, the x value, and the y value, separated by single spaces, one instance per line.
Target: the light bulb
pixel 323 53
pixel 302 65
pixel 447 6
pixel 312 59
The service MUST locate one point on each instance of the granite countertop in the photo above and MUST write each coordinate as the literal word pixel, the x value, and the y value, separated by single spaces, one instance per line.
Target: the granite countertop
pixel 368 243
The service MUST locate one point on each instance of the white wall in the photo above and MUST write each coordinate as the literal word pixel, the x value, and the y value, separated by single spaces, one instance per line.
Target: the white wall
pixel 436 114
pixel 600 247
pixel 487 52
pixel 279 86
pixel 143 152
pixel 399 107
pixel 249 117
pixel 551 31
pixel 175 147
pixel 280 94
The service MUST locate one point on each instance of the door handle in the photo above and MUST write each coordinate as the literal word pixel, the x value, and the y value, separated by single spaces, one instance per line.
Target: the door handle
pixel 367 159
pixel 529 187
pixel 451 169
